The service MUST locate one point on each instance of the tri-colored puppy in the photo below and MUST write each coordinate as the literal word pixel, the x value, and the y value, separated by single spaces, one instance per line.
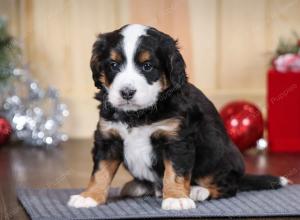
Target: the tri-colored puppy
pixel 166 132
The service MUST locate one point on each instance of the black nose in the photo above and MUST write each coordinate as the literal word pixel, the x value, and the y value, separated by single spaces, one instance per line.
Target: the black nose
pixel 127 93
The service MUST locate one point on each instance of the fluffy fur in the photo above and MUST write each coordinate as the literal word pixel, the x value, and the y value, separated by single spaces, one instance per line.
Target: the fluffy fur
pixel 150 114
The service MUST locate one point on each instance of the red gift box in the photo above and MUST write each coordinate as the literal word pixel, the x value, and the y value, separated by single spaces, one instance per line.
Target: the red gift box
pixel 283 102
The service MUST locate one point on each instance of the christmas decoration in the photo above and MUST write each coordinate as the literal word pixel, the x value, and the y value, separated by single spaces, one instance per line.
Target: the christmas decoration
pixel 35 114
pixel 9 52
pixel 283 97
pixel 5 131
pixel 243 122
pixel 288 46
pixel 261 144
pixel 287 63
pixel 287 57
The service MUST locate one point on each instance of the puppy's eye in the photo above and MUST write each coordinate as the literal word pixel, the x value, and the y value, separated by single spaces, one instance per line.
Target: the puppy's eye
pixel 147 67
pixel 114 66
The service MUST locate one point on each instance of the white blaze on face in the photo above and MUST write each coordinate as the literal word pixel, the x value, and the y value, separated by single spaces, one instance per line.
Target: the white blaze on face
pixel 130 76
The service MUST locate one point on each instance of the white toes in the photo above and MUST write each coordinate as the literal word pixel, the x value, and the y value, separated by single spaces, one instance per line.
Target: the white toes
pixel 79 201
pixel 178 204
pixel 199 193
pixel 283 181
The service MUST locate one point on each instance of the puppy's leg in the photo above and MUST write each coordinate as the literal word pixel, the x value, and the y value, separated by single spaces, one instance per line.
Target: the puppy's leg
pixel 97 190
pixel 136 188
pixel 219 185
pixel 176 190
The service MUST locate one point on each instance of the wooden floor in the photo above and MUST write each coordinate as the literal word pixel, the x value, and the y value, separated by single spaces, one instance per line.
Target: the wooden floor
pixel 69 166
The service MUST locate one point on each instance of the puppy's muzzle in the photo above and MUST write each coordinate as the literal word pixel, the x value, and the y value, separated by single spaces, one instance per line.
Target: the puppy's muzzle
pixel 127 93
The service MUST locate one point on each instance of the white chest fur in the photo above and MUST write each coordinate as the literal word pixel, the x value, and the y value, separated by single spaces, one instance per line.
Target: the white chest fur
pixel 138 151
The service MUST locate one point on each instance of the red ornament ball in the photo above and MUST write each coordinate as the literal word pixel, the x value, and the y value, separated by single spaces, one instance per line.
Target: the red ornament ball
pixel 243 122
pixel 5 130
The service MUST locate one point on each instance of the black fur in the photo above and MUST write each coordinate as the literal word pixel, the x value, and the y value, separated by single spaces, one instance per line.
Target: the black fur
pixel 101 51
pixel 202 147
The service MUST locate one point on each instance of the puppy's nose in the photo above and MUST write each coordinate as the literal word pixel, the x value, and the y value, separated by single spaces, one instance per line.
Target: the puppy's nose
pixel 127 93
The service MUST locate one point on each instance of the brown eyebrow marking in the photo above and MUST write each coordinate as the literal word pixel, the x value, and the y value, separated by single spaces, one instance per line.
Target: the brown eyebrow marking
pixel 115 55
pixel 144 56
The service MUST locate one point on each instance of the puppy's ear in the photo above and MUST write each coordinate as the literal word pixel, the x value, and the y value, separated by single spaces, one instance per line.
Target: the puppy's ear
pixel 99 49
pixel 174 62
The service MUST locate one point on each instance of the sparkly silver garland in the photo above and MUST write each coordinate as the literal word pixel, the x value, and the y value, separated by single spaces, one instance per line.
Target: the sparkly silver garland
pixel 35 114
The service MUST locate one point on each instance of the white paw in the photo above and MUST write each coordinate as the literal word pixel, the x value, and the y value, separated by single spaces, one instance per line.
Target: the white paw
pixel 79 201
pixel 283 181
pixel 134 190
pixel 199 193
pixel 178 204
pixel 158 193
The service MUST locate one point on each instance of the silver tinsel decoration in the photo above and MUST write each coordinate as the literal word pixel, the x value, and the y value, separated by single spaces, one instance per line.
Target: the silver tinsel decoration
pixel 35 114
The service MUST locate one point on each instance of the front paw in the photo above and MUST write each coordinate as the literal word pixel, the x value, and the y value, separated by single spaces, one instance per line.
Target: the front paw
pixel 78 201
pixel 178 204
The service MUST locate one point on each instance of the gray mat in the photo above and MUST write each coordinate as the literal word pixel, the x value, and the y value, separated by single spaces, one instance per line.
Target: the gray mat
pixel 46 204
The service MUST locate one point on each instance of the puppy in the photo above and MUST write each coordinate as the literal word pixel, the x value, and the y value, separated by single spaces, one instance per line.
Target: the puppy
pixel 163 129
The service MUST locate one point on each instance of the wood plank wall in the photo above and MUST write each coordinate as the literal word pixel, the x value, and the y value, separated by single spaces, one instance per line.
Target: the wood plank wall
pixel 227 44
